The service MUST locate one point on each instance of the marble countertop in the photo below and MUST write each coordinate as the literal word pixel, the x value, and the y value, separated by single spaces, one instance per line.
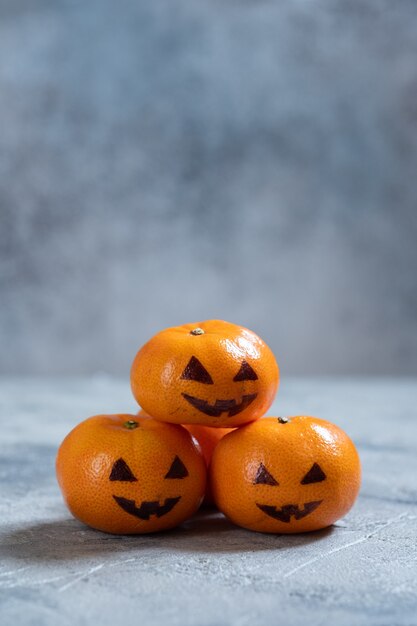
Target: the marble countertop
pixel 363 570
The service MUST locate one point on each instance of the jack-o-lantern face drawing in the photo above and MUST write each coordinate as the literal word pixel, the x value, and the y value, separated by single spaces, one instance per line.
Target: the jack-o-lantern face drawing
pixel 284 475
pixel 122 472
pixel 130 474
pixel 212 373
pixel 197 372
pixel 288 511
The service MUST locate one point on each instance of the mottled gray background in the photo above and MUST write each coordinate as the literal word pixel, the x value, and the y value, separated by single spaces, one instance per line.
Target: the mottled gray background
pixel 170 161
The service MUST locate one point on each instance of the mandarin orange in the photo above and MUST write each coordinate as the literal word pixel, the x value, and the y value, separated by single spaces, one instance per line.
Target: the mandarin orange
pixel 129 474
pixel 208 438
pixel 285 475
pixel 212 373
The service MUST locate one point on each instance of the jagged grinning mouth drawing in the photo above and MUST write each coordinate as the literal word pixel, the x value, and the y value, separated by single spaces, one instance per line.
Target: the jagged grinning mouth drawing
pixel 231 407
pixel 285 513
pixel 146 509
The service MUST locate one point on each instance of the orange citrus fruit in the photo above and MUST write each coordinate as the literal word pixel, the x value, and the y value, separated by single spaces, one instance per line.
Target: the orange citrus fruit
pixel 208 438
pixel 285 475
pixel 129 474
pixel 212 373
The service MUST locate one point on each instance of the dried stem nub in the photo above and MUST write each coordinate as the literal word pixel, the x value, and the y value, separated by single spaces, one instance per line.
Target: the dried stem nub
pixel 131 424
pixel 197 331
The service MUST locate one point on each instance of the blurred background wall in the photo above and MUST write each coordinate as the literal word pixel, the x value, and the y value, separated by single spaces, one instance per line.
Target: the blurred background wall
pixel 171 161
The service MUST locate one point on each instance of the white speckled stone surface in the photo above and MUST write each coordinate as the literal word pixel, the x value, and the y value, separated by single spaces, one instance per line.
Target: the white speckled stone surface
pixel 54 570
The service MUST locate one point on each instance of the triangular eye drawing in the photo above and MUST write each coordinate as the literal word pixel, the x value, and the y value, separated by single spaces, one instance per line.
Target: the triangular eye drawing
pixel 314 475
pixel 177 469
pixel 121 471
pixel 196 371
pixel 263 477
pixel 246 372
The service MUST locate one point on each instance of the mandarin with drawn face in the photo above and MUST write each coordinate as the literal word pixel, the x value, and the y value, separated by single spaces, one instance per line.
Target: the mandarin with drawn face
pixel 213 373
pixel 285 475
pixel 127 474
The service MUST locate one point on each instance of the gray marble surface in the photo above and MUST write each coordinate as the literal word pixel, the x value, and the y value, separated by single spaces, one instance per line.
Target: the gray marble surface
pixel 54 570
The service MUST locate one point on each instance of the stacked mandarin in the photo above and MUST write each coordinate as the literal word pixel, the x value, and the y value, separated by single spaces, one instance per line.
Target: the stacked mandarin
pixel 201 435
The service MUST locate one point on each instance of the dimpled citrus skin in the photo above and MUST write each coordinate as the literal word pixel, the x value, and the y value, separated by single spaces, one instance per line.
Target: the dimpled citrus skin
pixel 208 438
pixel 287 451
pixel 157 374
pixel 87 456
